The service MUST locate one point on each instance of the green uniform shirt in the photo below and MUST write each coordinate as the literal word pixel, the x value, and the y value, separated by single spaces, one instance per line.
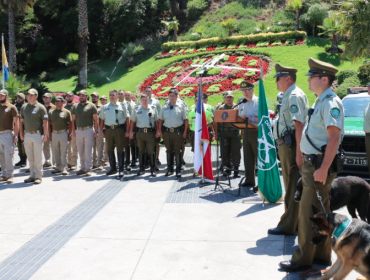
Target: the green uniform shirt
pixel 175 117
pixel 84 114
pixel 328 111
pixel 128 106
pixel 294 107
pixel 207 108
pixel 192 115
pixel 98 107
pixel 109 115
pixel 7 115
pixel 249 109
pixel 69 107
pixel 141 117
pixel 367 119
pixel 156 103
pixel 60 119
pixel 33 116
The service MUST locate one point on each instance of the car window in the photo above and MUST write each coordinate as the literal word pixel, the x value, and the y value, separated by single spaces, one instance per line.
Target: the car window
pixel 355 107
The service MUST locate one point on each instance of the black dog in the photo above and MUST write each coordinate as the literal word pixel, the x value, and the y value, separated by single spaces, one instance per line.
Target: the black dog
pixel 350 191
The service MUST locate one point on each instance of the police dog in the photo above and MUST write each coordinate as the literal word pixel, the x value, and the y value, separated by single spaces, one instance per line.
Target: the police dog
pixel 352 247
pixel 349 191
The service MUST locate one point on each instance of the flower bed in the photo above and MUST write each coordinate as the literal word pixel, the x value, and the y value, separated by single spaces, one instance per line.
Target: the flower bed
pixel 229 79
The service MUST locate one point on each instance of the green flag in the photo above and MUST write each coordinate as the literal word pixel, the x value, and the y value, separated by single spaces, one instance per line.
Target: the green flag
pixel 268 168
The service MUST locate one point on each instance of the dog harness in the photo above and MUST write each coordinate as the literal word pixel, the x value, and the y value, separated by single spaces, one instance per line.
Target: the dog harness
pixel 341 229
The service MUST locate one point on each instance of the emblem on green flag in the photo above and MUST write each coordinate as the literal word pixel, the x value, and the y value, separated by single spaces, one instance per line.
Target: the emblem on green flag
pixel 268 170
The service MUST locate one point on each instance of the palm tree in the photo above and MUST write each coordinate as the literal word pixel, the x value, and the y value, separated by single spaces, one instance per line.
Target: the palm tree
pixel 130 51
pixel 229 25
pixel 71 60
pixel 16 84
pixel 262 27
pixel 174 24
pixel 332 26
pixel 295 6
pixel 13 7
pixel 83 36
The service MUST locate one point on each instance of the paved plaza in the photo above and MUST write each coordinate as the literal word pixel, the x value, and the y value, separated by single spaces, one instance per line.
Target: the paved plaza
pixel 73 227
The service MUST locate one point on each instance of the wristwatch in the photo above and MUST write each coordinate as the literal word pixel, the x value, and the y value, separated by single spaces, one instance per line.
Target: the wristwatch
pixel 16 137
pixel 70 135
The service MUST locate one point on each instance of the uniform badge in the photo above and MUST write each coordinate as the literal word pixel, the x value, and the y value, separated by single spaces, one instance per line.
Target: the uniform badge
pixel 139 112
pixel 61 114
pixel 294 109
pixel 34 111
pixel 335 113
pixel 6 110
pixel 328 96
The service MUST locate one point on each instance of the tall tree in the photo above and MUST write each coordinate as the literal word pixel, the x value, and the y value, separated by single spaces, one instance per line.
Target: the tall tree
pixel 331 28
pixel 295 6
pixel 13 7
pixel 83 41
pixel 174 24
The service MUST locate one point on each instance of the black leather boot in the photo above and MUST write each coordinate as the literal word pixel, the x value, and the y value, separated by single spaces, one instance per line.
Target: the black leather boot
pixel 121 158
pixel 24 161
pixel 146 161
pixel 133 153
pixel 127 154
pixel 141 165
pixel 112 163
pixel 155 162
pixel 152 166
pixel 178 165
pixel 169 165
pixel 236 172
pixel 19 163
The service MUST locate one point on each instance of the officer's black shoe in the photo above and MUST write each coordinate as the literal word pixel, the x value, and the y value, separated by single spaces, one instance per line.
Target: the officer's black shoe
pixel 277 231
pixel 121 158
pixel 112 163
pixel 158 162
pixel 227 172
pixel 141 165
pixel 19 163
pixel 236 173
pixel 178 166
pixel 169 165
pixel 152 166
pixel 290 266
pixel 322 262
pixel 24 161
pixel 127 154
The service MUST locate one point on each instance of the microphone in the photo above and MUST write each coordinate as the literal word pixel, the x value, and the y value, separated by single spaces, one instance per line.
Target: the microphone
pixel 243 101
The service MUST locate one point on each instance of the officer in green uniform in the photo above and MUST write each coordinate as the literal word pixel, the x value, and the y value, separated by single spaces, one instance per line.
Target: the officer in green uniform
pixel 288 133
pixel 173 117
pixel 191 120
pixel 21 152
pixel 72 149
pixel 103 101
pixel 250 110
pixel 222 103
pixel 324 128
pixel 98 149
pixel 231 141
pixel 126 150
pixel 47 145
pixel 145 118
pixel 60 129
pixel 114 117
pixel 367 129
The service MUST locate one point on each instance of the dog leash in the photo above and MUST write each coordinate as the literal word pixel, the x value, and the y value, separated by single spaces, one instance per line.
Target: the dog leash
pixel 312 272
pixel 319 198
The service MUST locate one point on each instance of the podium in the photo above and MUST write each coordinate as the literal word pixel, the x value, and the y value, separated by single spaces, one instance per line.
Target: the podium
pixel 232 117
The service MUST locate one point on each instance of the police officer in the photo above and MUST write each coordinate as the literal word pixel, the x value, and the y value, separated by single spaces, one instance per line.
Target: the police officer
pixel 114 117
pixel 231 141
pixel 324 128
pixel 103 101
pixel 47 145
pixel 72 148
pixel 98 149
pixel 85 115
pixel 126 150
pixel 172 117
pixel 21 152
pixel 205 102
pixel 250 110
pixel 288 133
pixel 223 102
pixel 9 125
pixel 60 128
pixel 35 120
pixel 145 118
pixel 129 97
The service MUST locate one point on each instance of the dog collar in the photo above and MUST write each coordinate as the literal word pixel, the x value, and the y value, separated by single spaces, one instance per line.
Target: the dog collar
pixel 341 229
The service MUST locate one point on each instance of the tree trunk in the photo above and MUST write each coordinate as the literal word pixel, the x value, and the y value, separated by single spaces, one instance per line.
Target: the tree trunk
pixel 12 46
pixel 83 35
pixel 334 45
pixel 175 34
pixel 230 32
pixel 296 20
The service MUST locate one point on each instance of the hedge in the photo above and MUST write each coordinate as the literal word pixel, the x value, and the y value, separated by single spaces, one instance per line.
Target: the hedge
pixel 234 40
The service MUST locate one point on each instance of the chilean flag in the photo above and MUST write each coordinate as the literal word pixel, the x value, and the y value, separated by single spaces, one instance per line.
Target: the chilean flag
pixel 202 146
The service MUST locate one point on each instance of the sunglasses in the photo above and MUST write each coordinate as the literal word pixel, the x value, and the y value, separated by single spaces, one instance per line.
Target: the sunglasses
pixel 278 78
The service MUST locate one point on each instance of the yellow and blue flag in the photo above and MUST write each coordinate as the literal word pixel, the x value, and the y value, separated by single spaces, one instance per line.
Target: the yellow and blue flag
pixel 5 65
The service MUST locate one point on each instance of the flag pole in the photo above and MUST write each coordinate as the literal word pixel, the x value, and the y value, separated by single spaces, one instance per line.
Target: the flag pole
pixel 2 58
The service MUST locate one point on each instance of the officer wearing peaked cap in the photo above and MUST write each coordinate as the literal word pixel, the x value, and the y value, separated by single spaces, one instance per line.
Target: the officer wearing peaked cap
pixel 288 133
pixel 321 137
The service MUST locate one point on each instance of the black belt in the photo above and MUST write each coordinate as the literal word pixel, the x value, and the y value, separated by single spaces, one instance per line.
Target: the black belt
pixel 173 129
pixel 313 159
pixel 115 126
pixel 145 129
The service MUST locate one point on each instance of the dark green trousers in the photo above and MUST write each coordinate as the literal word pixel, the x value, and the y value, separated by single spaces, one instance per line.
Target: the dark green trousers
pixel 21 150
pixel 173 142
pixel 145 142
pixel 251 147
pixel 115 138
pixel 232 147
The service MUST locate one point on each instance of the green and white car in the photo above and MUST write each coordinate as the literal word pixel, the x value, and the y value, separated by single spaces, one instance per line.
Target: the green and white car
pixel 354 136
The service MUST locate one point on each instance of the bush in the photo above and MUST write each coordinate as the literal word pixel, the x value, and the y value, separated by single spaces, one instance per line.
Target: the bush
pixel 364 74
pixel 45 76
pixel 234 40
pixel 314 17
pixel 353 81
pixel 344 74
pixel 93 68
pixel 196 8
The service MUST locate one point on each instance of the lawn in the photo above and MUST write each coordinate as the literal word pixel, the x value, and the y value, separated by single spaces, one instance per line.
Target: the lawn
pixel 128 78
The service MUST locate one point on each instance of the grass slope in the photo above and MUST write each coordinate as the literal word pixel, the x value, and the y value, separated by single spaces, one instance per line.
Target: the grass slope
pixel 128 78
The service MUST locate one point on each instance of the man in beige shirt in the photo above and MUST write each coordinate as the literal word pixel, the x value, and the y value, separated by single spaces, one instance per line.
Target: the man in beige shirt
pixel 47 145
pixel 72 148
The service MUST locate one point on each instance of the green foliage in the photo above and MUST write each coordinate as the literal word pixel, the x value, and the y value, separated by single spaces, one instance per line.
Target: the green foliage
pixel 293 5
pixel 16 84
pixel 229 25
pixel 93 68
pixel 262 44
pixel 45 76
pixel 130 51
pixel 290 42
pixel 70 61
pixel 277 43
pixel 344 74
pixel 196 8
pixel 364 74
pixel 353 81
pixel 208 73
pixel 314 17
pixel 236 40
